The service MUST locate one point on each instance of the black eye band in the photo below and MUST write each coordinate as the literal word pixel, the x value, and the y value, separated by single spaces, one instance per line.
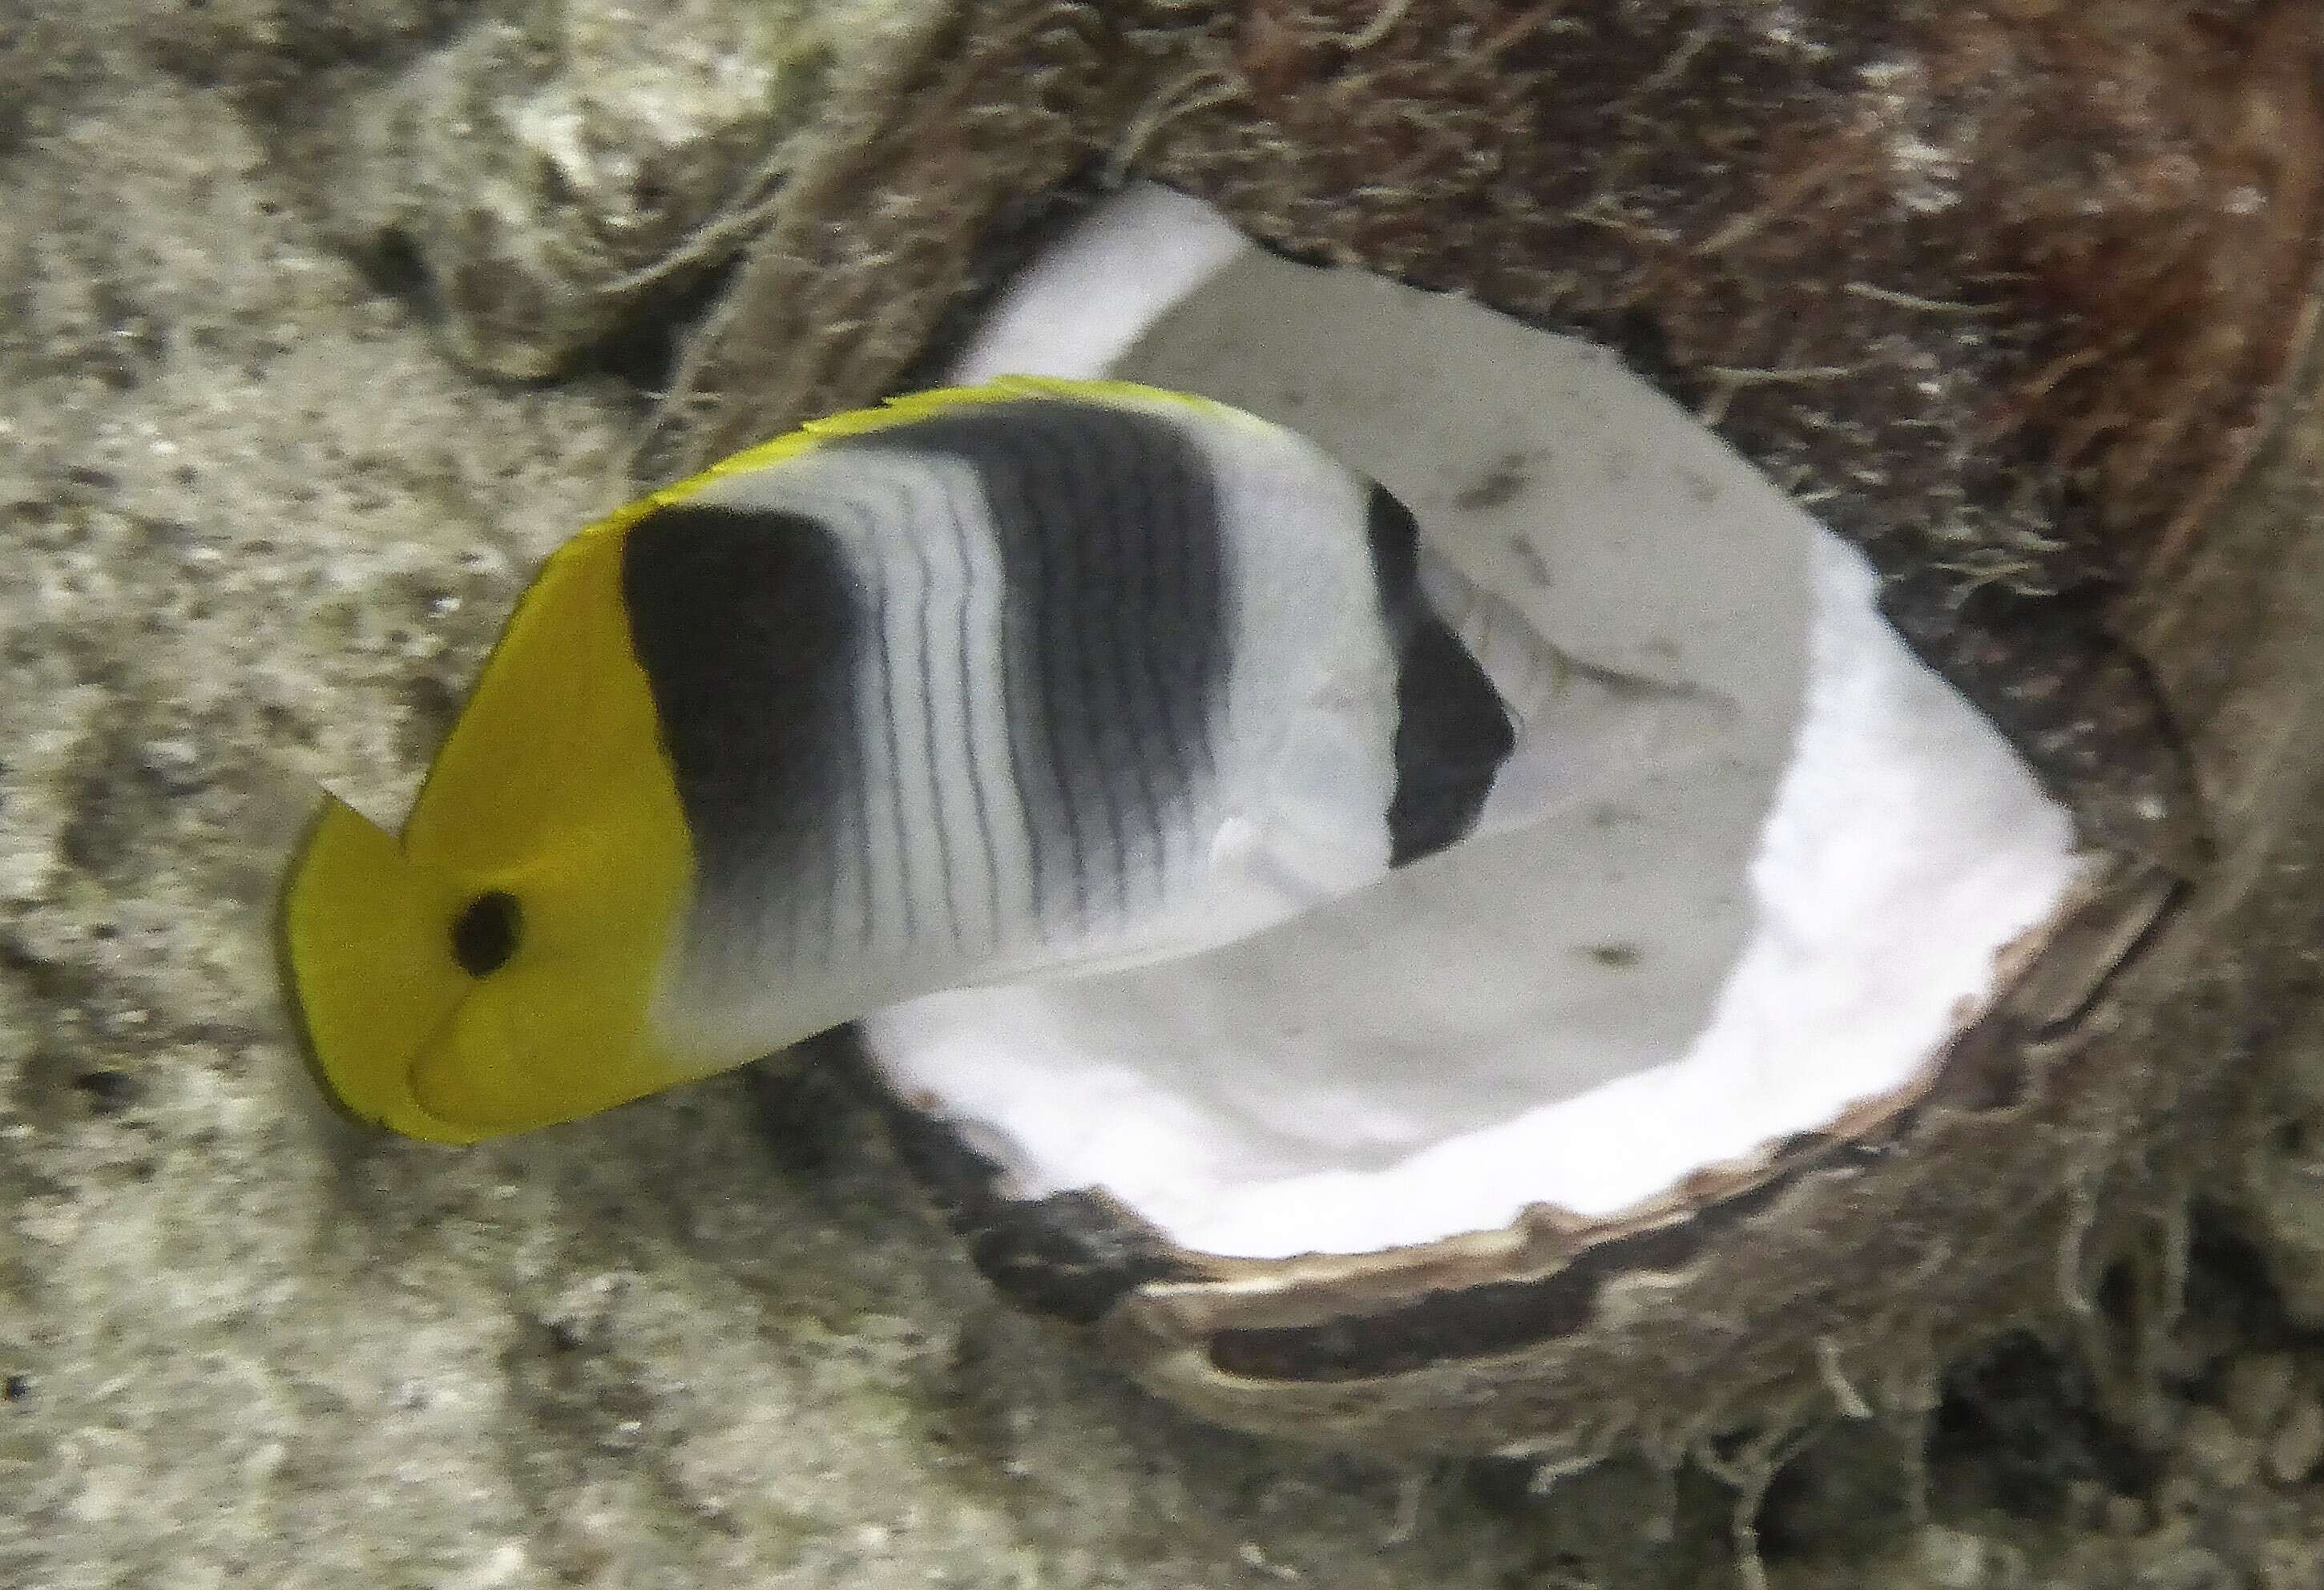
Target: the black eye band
pixel 485 935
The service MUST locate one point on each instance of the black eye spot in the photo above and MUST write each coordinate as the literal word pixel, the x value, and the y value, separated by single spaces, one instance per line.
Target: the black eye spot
pixel 485 935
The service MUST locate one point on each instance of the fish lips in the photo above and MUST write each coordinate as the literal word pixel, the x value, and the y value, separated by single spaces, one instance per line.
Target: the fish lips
pixel 374 982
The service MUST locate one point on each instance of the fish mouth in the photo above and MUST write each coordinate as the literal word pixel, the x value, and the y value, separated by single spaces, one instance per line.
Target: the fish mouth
pixel 397 1034
pixel 372 994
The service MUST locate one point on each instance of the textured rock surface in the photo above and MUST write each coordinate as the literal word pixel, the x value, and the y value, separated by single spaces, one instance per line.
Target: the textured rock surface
pixel 257 531
pixel 553 166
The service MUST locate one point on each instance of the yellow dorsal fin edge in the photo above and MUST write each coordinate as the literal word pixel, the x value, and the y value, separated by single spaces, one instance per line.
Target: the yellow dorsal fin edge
pixel 901 410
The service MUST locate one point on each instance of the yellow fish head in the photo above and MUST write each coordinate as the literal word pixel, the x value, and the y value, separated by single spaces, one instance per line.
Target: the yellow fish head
pixel 495 967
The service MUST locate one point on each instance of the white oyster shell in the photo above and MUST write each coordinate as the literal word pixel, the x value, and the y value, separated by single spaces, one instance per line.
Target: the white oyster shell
pixel 1746 921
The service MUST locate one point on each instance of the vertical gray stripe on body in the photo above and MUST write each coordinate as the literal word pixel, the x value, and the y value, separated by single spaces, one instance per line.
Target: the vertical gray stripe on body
pixel 974 749
pixel 1109 690
pixel 947 889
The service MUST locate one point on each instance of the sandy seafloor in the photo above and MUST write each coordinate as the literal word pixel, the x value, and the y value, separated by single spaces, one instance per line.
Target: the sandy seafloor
pixel 255 529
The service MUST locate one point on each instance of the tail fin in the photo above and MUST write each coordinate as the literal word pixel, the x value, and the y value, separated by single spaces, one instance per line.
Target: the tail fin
pixel 1584 731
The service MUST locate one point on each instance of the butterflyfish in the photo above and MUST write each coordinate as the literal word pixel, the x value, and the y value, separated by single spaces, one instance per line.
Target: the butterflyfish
pixel 991 684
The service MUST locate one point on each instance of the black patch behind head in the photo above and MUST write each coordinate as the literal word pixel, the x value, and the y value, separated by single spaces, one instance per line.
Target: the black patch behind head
pixel 1452 731
pixel 744 621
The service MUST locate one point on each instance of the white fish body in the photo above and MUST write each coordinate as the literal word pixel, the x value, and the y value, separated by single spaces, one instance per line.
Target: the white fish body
pixel 1103 675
